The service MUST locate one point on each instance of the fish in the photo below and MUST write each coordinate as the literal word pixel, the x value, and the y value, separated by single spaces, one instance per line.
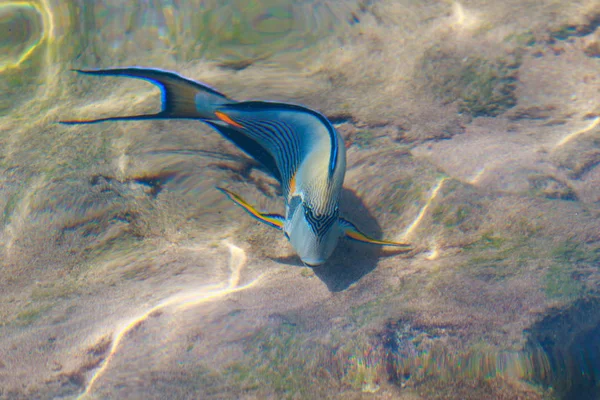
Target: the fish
pixel 297 145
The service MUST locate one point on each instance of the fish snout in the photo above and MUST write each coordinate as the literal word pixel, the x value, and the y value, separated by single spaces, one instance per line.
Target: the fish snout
pixel 313 241
pixel 313 263
pixel 312 250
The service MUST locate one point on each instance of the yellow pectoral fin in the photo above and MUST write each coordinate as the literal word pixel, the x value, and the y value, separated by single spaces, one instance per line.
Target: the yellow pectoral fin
pixel 353 233
pixel 274 220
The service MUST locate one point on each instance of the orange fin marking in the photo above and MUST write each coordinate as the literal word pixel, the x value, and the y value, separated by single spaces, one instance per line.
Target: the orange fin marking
pixel 225 118
pixel 293 185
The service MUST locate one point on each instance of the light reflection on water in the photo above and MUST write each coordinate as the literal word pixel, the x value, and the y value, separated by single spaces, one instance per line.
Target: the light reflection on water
pixel 116 272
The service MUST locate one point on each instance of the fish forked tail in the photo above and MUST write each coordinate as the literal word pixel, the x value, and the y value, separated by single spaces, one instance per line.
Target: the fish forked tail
pixel 180 97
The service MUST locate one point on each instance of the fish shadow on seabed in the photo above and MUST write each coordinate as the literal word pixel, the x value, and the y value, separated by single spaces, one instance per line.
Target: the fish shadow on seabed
pixel 351 260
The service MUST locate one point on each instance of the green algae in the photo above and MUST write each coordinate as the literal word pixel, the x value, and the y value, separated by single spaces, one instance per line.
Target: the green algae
pixel 31 314
pixel 488 240
pixel 403 194
pixel 522 39
pixel 498 255
pixel 550 187
pixel 574 252
pixel 572 260
pixel 457 216
pixel 451 215
pixel 564 32
pixel 364 367
pixel 559 283
pixel 9 208
pixel 307 272
pixel 364 138
pixel 284 361
pixel 369 311
pixel 481 86
pixel 59 289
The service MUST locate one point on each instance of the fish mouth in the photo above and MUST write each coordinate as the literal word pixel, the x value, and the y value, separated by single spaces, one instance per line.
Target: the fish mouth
pixel 313 263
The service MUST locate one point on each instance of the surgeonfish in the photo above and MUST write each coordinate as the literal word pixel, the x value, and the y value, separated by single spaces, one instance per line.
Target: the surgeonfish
pixel 297 145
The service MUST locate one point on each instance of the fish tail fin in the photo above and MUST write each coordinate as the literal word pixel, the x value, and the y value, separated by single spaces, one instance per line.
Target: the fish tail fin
pixel 123 118
pixel 180 97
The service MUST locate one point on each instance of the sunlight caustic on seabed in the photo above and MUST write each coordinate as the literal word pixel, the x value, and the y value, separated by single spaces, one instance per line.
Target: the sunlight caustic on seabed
pixel 180 301
pixel 477 175
pixel 571 136
pixel 47 28
pixel 21 213
pixel 462 19
pixel 433 254
pixel 417 221
pixel 481 171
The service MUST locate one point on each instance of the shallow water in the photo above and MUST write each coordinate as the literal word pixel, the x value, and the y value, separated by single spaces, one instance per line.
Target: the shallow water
pixel 472 132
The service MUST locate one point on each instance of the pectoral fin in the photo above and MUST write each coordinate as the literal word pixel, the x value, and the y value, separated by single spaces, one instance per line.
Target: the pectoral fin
pixel 352 232
pixel 274 220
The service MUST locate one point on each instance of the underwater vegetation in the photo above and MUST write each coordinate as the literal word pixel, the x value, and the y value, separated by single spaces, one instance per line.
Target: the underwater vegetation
pixel 283 361
pixel 567 30
pixel 481 86
pixel 31 314
pixel 572 264
pixel 498 300
pixel 551 188
pixel 401 358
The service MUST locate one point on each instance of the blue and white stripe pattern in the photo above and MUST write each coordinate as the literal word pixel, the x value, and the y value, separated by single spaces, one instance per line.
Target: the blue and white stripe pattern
pixel 299 146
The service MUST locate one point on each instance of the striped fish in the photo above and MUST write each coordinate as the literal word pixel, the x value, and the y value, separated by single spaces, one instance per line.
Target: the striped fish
pixel 297 145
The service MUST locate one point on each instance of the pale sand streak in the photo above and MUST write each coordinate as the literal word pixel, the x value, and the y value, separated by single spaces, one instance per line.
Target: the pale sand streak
pixel 423 211
pixel 570 136
pixel 182 301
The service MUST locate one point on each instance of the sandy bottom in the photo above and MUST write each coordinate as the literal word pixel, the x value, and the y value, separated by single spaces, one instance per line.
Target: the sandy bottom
pixel 472 132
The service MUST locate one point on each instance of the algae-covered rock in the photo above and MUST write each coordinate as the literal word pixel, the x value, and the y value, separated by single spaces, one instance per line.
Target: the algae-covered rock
pixel 551 188
pixel 481 86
